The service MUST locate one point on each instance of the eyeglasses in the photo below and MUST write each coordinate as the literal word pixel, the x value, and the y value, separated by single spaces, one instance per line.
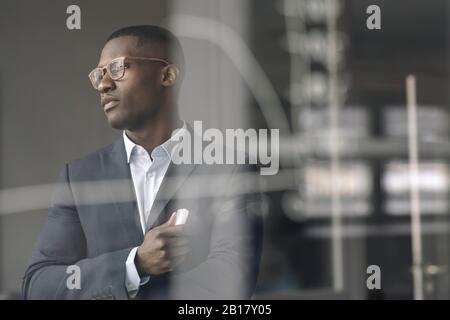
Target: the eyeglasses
pixel 115 69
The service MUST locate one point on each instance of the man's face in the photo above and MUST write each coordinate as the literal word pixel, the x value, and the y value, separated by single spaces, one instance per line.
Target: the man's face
pixel 134 99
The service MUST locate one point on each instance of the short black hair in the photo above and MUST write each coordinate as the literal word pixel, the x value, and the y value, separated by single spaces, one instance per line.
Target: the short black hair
pixel 150 34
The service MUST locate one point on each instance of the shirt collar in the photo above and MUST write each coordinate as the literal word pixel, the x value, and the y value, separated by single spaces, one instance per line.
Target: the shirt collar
pixel 164 149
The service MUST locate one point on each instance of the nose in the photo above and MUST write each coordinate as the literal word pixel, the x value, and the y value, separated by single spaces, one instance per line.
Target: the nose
pixel 106 84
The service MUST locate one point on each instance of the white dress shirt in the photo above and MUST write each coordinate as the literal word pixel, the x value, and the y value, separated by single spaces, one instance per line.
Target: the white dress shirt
pixel 147 174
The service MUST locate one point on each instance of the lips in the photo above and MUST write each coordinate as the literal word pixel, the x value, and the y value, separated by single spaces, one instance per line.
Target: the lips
pixel 109 102
pixel 110 105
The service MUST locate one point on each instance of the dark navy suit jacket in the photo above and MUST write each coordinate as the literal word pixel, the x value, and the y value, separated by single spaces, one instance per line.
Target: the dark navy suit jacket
pixel 94 222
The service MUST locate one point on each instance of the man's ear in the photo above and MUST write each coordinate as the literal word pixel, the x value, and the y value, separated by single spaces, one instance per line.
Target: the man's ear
pixel 169 75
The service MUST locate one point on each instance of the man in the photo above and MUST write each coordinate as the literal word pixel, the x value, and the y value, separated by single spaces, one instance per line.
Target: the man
pixel 113 216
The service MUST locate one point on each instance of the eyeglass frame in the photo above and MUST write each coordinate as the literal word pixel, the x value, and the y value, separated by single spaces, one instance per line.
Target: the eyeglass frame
pixel 107 67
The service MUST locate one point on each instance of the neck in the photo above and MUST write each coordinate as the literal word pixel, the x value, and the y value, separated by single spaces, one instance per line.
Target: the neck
pixel 155 132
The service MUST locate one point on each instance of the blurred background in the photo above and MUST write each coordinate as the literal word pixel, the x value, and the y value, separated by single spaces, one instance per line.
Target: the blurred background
pixel 311 68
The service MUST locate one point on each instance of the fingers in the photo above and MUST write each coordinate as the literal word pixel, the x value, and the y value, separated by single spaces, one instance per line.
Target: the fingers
pixel 177 252
pixel 163 267
pixel 172 220
pixel 169 231
pixel 170 257
pixel 177 260
pixel 174 245
pixel 175 248
pixel 164 247
pixel 178 242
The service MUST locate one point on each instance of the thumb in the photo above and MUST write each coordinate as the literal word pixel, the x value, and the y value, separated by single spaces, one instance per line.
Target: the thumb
pixel 172 220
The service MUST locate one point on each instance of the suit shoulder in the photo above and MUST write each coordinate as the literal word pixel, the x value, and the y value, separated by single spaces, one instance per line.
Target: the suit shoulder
pixel 93 156
pixel 90 162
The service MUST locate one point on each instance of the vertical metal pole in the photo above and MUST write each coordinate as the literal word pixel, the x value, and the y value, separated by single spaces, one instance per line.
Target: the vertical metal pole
pixel 2 265
pixel 334 104
pixel 416 233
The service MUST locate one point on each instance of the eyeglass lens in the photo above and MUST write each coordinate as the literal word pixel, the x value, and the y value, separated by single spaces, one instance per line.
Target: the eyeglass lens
pixel 116 70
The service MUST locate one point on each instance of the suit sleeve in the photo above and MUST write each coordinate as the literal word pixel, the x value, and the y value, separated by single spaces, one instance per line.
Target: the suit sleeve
pixel 231 269
pixel 62 244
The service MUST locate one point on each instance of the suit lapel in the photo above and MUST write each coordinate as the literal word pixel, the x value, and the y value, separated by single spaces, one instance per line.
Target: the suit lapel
pixel 174 178
pixel 123 197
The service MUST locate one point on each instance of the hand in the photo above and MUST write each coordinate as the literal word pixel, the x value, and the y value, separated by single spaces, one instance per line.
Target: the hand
pixel 163 248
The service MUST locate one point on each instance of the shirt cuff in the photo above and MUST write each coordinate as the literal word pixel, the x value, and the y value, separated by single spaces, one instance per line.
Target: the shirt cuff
pixel 132 279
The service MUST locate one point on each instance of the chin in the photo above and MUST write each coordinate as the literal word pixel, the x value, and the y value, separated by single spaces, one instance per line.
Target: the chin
pixel 117 126
pixel 121 123
pixel 116 122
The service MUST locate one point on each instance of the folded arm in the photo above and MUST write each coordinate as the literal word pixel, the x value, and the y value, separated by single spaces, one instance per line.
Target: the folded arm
pixel 61 244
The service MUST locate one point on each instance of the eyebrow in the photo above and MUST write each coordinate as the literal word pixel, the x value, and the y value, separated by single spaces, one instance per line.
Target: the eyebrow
pixel 102 66
pixel 99 66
